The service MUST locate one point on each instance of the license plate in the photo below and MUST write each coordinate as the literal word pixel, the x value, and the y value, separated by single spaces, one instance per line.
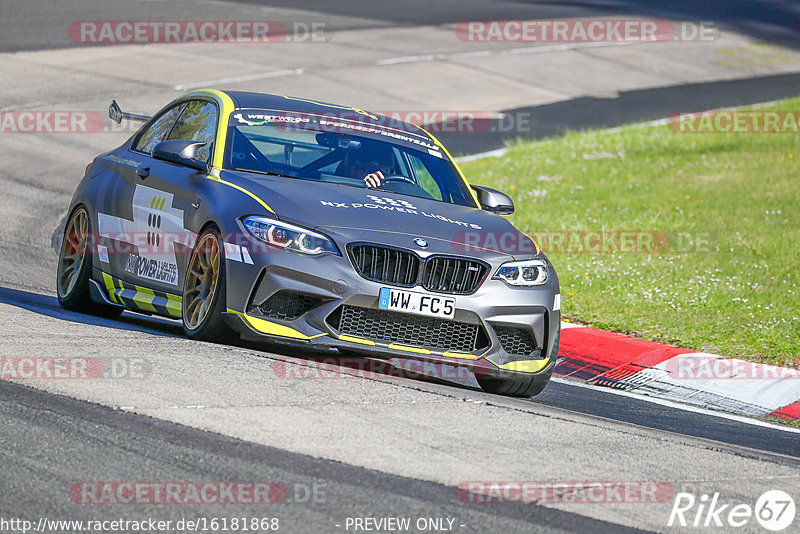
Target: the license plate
pixel 418 303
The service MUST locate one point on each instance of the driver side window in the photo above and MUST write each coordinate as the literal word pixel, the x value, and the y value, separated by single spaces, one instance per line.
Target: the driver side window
pixel 198 122
pixel 425 178
pixel 159 130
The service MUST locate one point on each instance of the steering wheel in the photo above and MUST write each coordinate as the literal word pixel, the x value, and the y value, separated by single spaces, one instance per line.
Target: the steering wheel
pixel 397 183
pixel 397 178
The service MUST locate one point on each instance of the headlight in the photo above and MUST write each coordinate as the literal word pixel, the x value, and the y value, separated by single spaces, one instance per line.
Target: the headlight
pixel 523 273
pixel 288 236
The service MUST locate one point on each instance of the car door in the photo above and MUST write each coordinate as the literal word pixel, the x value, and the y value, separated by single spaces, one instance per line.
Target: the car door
pixel 156 199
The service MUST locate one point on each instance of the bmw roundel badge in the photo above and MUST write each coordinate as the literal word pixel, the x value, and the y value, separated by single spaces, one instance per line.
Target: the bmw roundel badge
pixel 421 243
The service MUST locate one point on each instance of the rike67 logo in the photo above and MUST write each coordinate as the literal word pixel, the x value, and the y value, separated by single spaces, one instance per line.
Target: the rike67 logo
pixel 774 510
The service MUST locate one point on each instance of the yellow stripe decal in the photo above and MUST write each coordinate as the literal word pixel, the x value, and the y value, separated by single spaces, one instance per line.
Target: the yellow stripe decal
pixel 524 366
pixel 354 339
pixel 535 244
pixel 141 297
pixel 268 327
pixel 226 107
pixel 462 355
pixel 409 349
pixel 110 288
pixel 144 298
pixel 243 190
pixel 174 305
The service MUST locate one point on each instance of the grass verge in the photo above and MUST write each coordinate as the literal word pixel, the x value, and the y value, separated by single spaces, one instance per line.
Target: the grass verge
pixel 722 272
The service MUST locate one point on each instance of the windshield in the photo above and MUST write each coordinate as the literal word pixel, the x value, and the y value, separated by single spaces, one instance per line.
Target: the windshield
pixel 342 151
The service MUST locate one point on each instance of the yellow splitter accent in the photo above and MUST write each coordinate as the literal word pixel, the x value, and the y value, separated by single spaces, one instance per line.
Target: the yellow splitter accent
pixel 268 327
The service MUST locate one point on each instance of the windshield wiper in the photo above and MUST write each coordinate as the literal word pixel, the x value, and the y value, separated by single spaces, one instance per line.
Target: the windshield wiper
pixel 268 173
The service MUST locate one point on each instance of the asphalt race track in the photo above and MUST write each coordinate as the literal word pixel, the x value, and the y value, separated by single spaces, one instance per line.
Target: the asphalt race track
pixel 73 436
pixel 356 446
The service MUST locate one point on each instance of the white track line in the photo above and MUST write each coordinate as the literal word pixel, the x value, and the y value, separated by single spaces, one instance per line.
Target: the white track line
pixel 490 154
pixel 407 59
pixel 542 49
pixel 681 406
pixel 261 76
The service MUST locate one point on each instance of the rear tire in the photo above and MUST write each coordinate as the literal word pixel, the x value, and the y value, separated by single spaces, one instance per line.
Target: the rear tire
pixel 204 298
pixel 75 268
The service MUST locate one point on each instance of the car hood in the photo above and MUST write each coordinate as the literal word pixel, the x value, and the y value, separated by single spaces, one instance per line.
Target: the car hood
pixel 351 214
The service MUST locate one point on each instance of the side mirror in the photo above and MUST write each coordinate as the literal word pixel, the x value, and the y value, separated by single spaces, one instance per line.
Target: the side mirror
pixel 494 200
pixel 181 152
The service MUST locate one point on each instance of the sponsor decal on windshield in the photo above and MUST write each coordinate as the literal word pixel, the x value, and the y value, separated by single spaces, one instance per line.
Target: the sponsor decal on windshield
pixel 257 119
pixel 361 127
pixel 333 123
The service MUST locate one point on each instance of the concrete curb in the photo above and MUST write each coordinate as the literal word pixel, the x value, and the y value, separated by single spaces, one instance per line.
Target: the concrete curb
pixel 701 379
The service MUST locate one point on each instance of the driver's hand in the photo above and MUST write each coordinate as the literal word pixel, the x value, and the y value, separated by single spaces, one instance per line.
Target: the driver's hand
pixel 374 179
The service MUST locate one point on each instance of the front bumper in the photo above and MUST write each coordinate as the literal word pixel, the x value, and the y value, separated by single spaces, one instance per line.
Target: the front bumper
pixel 516 329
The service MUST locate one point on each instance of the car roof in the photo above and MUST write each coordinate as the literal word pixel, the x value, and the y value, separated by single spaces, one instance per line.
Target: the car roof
pixel 250 100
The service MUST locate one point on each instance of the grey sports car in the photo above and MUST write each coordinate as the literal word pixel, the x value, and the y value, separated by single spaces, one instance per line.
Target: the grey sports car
pixel 278 218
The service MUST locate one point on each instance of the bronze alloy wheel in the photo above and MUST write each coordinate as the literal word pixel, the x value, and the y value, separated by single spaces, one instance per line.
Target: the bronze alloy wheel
pixel 202 281
pixel 75 268
pixel 73 253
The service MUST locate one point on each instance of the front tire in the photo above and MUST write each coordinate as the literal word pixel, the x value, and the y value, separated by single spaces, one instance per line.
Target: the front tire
pixel 204 291
pixel 519 386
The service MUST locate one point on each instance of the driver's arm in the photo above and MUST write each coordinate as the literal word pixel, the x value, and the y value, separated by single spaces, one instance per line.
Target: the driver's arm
pixel 374 179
